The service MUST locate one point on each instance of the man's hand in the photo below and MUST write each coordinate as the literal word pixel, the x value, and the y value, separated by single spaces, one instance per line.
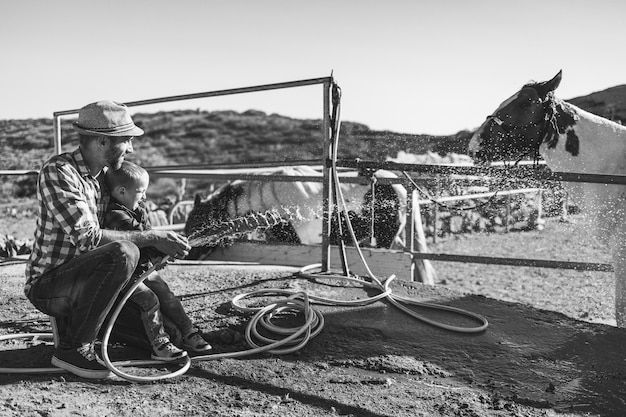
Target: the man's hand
pixel 171 243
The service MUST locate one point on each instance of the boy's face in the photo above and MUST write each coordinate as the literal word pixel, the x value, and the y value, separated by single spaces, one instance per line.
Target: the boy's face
pixel 131 196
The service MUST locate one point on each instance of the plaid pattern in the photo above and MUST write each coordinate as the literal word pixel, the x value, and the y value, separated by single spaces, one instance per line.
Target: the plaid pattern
pixel 71 210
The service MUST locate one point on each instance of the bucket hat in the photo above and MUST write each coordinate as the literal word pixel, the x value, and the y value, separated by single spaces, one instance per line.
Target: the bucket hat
pixel 107 118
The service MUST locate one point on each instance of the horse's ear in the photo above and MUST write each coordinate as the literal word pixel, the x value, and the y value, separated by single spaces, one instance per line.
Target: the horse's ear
pixel 197 200
pixel 548 86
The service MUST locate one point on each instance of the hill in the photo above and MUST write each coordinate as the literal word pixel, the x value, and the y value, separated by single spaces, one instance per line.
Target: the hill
pixel 609 103
pixel 189 137
pixel 202 137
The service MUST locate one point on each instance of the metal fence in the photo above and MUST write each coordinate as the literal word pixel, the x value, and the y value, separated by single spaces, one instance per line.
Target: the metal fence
pixel 526 171
pixel 538 172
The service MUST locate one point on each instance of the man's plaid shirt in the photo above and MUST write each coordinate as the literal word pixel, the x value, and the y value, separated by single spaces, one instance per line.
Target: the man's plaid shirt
pixel 71 210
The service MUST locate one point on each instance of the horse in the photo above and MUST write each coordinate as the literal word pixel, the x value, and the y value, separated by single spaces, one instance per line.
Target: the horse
pixel 534 123
pixel 299 204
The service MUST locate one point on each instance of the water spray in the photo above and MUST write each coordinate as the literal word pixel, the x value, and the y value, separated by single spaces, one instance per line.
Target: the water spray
pixel 215 233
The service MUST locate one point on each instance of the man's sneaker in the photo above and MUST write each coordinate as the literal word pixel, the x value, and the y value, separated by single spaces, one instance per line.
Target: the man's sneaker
pixel 167 352
pixel 81 361
pixel 194 341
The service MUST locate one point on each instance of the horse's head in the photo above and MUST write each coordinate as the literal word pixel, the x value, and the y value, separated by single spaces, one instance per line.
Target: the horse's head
pixel 517 128
pixel 212 210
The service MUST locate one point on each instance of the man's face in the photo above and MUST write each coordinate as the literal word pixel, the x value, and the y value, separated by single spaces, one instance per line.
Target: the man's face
pixel 117 148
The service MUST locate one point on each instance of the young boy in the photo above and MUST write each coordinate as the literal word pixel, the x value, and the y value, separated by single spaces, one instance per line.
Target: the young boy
pixel 126 211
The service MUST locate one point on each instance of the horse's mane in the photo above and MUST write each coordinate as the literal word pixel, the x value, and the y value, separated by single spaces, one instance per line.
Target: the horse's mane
pixel 530 84
pixel 559 117
pixel 218 200
pixel 214 207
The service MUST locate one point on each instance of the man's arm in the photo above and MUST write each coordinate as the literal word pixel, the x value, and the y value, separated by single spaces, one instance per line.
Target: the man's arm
pixel 168 242
pixel 120 225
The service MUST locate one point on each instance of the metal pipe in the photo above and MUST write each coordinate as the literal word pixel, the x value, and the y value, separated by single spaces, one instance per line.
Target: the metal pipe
pixel 225 175
pixel 18 172
pixel 538 173
pixel 301 83
pixel 313 163
pixel 327 184
pixel 479 195
pixel 492 260
pixel 226 92
pixel 56 123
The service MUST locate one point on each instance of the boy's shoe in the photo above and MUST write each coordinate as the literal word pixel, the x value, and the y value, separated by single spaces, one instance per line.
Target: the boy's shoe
pixel 81 361
pixel 194 341
pixel 167 352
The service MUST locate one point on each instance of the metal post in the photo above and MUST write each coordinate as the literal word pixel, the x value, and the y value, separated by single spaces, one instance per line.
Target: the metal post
pixel 435 220
pixel 539 205
pixel 507 212
pixel 327 181
pixel 373 242
pixel 56 123
pixel 409 244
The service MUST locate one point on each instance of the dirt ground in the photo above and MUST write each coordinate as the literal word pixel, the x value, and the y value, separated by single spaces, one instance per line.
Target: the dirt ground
pixel 549 350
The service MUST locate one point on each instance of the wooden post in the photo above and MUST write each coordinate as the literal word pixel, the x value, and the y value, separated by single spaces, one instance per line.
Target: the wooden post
pixel 422 268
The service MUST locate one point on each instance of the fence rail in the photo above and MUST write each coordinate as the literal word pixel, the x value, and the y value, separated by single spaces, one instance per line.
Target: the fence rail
pixel 18 172
pixel 537 172
pixel 493 260
pixel 479 195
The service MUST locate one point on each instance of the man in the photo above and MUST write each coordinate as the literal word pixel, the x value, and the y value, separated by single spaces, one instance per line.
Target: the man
pixel 77 269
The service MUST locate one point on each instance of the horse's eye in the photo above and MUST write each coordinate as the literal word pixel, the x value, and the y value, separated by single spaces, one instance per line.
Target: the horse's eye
pixel 526 104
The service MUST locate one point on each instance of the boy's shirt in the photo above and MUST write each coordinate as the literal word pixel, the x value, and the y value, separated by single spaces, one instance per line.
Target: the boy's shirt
pixel 120 217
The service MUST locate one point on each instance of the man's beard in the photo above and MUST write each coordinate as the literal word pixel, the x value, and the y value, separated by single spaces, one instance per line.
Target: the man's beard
pixel 114 159
pixel 116 163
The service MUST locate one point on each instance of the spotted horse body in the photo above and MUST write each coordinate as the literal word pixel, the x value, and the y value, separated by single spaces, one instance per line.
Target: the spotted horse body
pixel 300 204
pixel 534 122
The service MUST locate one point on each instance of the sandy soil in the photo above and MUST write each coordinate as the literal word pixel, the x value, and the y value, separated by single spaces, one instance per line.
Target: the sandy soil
pixel 546 351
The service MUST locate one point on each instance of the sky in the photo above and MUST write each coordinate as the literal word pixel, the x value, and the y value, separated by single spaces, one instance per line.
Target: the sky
pixel 409 66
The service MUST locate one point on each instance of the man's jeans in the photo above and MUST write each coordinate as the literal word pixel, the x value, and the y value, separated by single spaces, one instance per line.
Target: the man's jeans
pixel 81 292
pixel 155 299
